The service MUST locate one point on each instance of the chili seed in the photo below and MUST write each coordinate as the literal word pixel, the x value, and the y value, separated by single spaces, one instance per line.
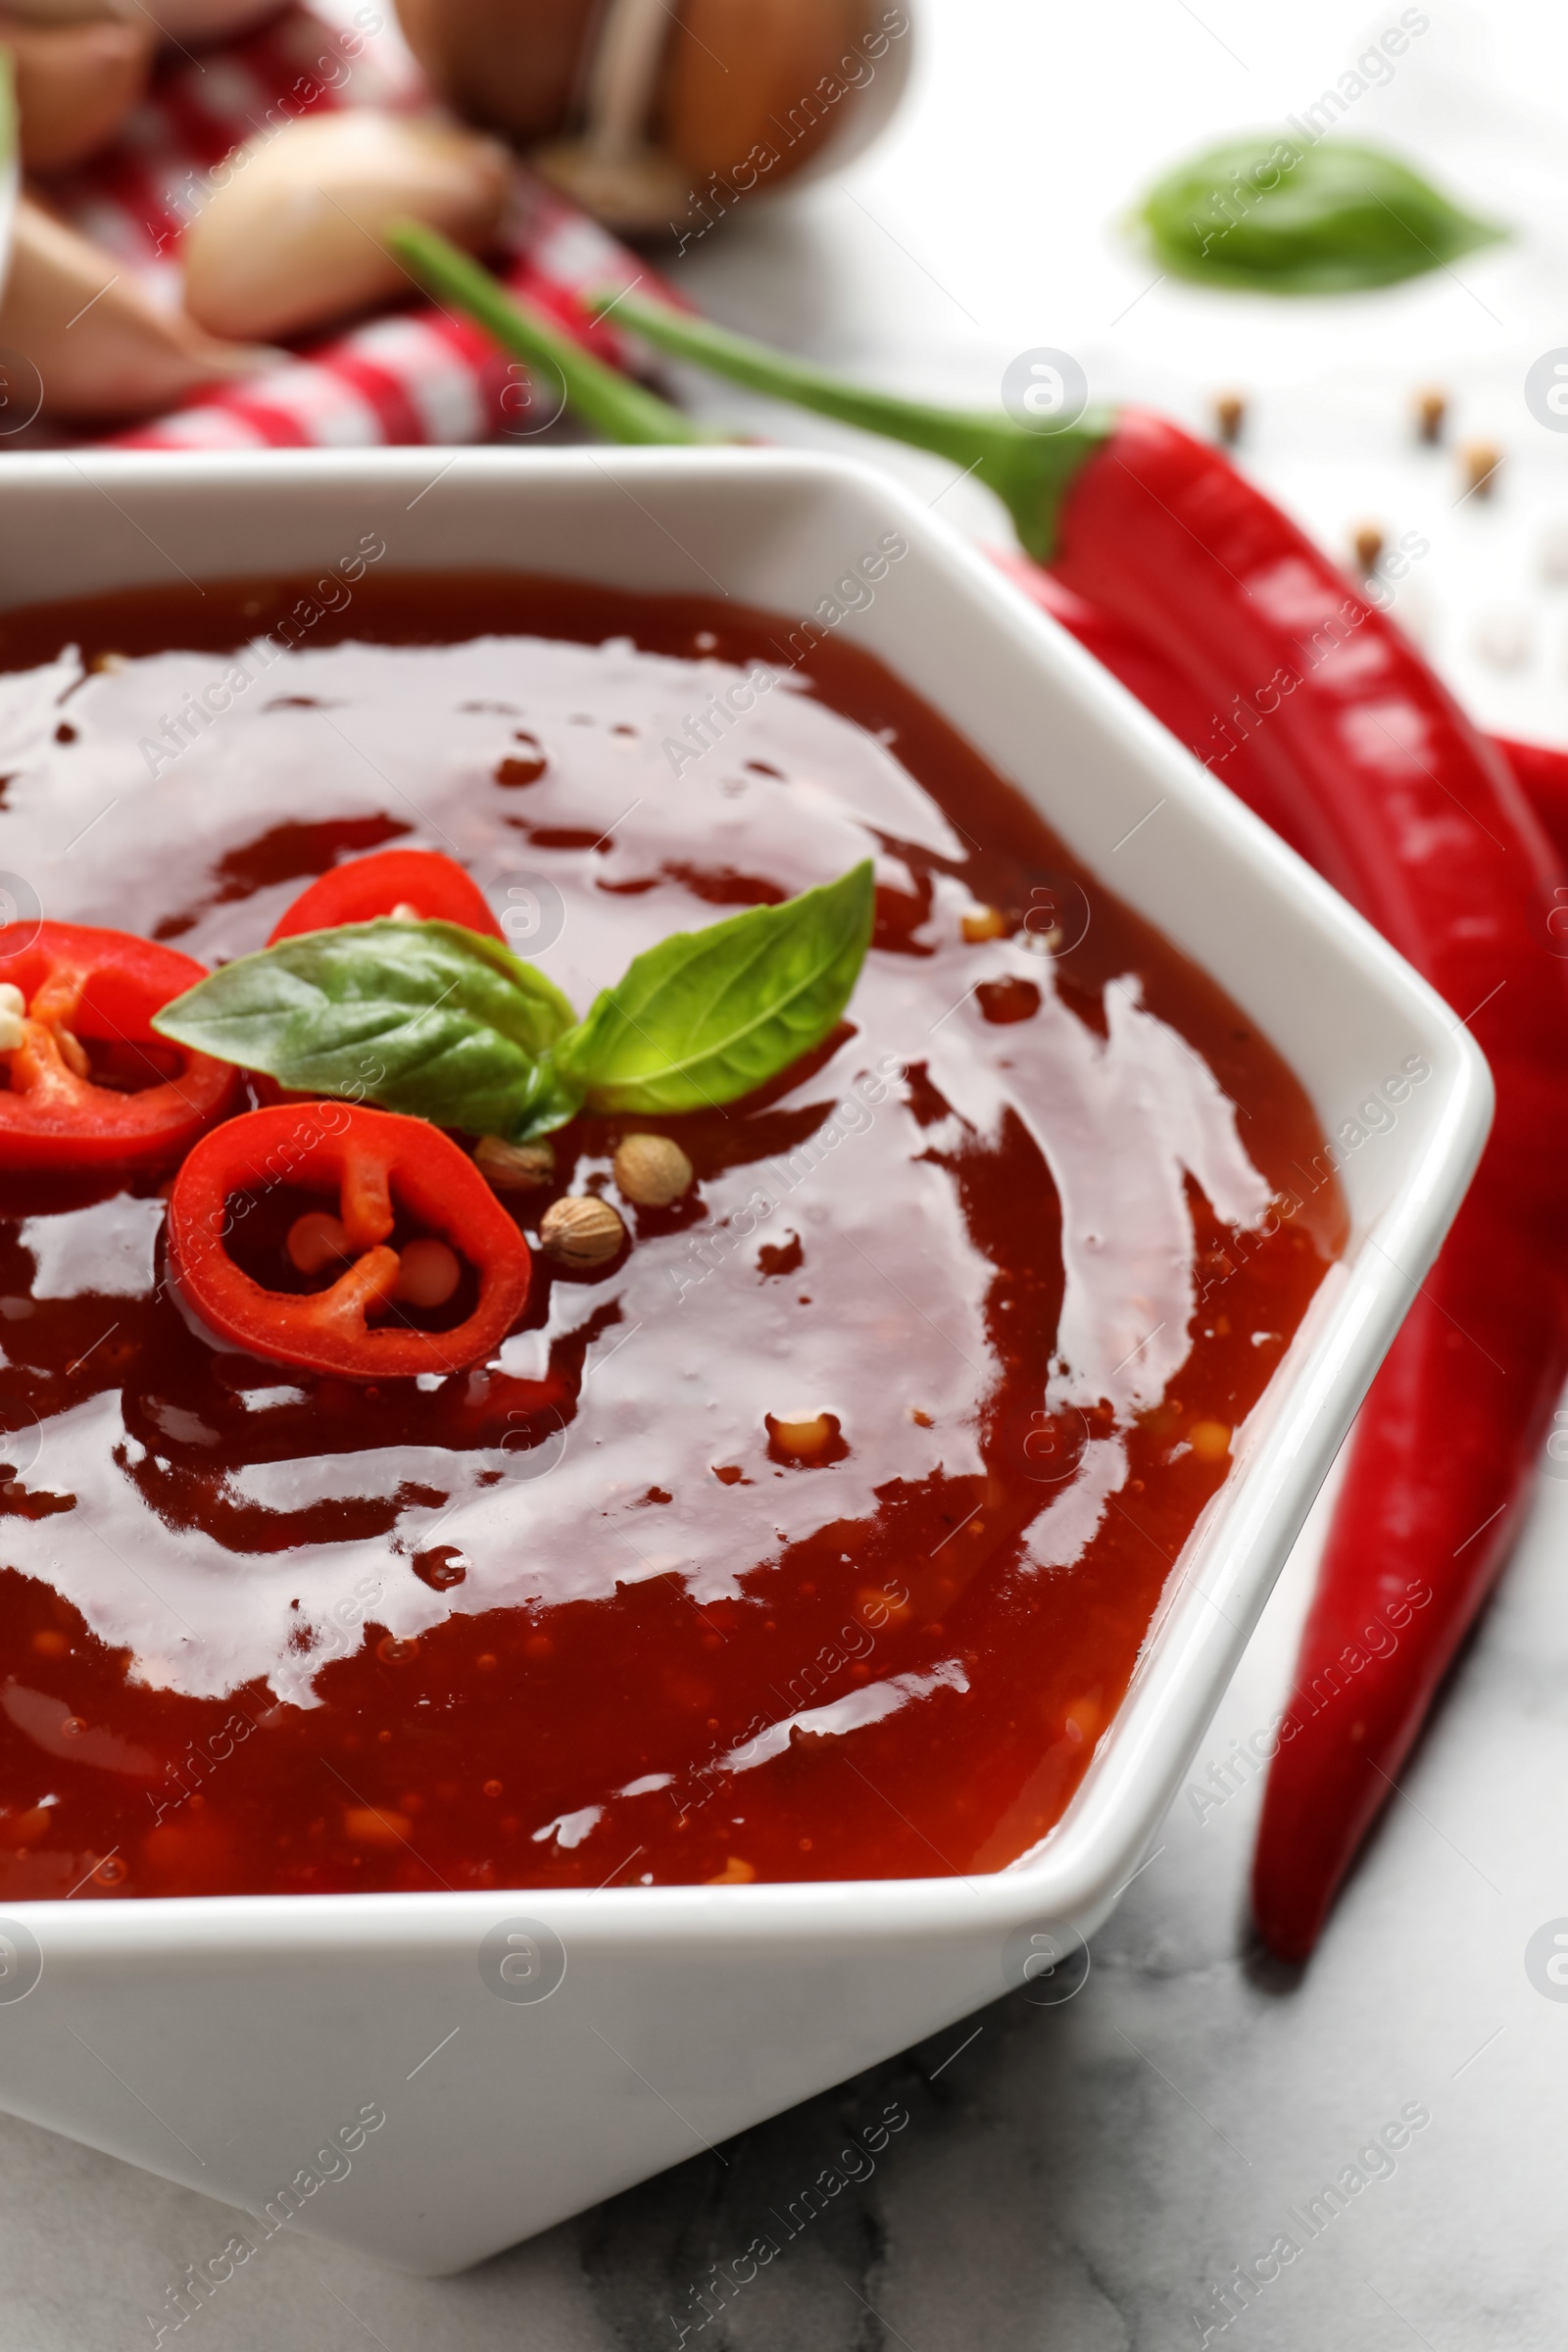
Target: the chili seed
pixel 405 911
pixel 13 1029
pixel 1479 461
pixel 1368 545
pixel 1431 412
pixel 1230 414
pixel 984 922
pixel 315 1239
pixel 735 1873
pixel 428 1272
pixel 368 1825
pixel 1210 1441
pixel 74 1054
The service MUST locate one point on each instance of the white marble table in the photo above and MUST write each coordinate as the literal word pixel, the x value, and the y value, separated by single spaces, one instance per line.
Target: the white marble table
pixel 1086 2178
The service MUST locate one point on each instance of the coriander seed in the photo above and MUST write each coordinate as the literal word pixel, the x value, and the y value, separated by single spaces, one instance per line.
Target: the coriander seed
pixel 582 1231
pixel 515 1167
pixel 652 1170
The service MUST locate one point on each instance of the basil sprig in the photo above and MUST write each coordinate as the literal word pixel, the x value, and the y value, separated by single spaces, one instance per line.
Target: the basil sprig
pixel 1275 215
pixel 708 1015
pixel 447 1025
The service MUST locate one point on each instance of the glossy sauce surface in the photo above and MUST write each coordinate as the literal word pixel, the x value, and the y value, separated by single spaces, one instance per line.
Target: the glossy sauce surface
pixel 586 1614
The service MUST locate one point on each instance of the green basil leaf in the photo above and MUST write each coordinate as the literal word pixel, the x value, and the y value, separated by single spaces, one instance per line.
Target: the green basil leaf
pixel 708 1015
pixel 1275 215
pixel 425 1018
pixel 551 1101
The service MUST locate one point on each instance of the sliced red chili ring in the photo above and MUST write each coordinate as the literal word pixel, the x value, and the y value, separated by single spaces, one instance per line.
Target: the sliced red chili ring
pixel 374 1164
pixel 390 881
pixel 82 988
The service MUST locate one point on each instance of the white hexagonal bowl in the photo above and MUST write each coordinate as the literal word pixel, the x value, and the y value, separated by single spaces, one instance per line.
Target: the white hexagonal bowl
pixel 225 2042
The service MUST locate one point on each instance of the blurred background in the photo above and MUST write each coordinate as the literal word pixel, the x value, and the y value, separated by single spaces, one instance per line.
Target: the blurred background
pixel 1085 2175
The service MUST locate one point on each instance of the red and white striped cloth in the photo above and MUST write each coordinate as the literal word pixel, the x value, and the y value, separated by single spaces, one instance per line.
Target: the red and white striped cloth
pixel 414 375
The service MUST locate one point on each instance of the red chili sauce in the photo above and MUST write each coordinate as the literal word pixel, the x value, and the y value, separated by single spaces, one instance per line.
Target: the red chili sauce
pixel 595 1612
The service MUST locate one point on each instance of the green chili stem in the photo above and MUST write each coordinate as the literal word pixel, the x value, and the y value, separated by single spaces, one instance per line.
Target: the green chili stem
pixel 1027 471
pixel 617 408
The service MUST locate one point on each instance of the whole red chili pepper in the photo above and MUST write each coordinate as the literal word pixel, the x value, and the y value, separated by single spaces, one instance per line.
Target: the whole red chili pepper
pixel 1451 1430
pixel 418 883
pixel 1339 735
pixel 88 1083
pixel 1542 774
pixel 377 1166
pixel 1540 770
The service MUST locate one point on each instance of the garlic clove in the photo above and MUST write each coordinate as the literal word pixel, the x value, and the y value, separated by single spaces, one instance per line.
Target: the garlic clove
pixel 611 169
pixel 99 347
pixel 210 20
pixel 632 193
pixel 516 70
pixel 290 236
pixel 670 110
pixel 755 75
pixel 58 12
pixel 75 83
pixel 177 19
